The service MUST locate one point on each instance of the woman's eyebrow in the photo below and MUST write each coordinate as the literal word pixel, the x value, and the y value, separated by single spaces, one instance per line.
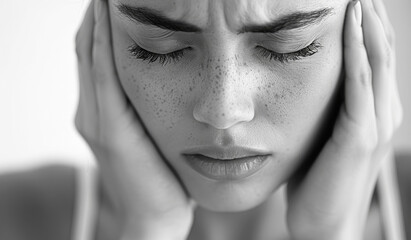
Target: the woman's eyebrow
pixel 292 21
pixel 153 17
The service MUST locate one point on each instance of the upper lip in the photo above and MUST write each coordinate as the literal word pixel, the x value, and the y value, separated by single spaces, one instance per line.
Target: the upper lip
pixel 225 153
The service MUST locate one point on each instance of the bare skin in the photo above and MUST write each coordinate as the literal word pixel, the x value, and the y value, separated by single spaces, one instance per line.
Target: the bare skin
pixel 147 200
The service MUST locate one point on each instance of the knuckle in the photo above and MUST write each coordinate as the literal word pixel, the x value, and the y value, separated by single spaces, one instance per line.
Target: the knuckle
pixel 387 55
pixel 77 38
pixel 80 47
pixel 365 76
pixel 81 128
pixel 78 53
pixel 383 57
pixel 361 138
pixel 78 124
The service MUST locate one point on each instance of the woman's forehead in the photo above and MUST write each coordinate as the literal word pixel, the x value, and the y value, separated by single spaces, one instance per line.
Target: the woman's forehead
pixel 234 13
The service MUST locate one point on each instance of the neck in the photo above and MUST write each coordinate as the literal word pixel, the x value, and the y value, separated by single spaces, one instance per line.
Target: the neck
pixel 262 222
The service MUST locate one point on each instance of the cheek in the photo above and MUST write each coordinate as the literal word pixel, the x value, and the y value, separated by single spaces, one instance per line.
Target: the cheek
pixel 158 97
pixel 296 97
pixel 160 94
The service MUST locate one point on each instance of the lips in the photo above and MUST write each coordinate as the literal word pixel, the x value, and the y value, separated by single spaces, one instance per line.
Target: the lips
pixel 232 163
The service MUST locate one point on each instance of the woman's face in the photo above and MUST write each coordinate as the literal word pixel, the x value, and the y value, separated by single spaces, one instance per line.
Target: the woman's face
pixel 234 93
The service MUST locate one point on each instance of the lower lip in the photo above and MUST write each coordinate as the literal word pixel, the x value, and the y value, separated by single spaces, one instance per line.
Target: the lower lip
pixel 226 169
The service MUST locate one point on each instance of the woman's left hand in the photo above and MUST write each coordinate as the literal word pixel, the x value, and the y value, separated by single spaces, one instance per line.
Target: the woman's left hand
pixel 332 200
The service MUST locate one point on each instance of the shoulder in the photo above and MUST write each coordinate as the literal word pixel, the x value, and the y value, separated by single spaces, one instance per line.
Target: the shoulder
pixel 37 204
pixel 403 162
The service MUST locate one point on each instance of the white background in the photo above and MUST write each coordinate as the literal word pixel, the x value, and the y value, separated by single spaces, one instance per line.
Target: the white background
pixel 38 80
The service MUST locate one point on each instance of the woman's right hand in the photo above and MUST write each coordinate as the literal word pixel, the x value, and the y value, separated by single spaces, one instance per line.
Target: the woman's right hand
pixel 141 197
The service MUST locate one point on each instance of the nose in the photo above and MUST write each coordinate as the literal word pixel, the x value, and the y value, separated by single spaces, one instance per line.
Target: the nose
pixel 225 98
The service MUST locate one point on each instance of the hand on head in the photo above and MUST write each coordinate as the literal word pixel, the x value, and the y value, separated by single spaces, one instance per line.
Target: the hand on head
pixel 143 197
pixel 332 200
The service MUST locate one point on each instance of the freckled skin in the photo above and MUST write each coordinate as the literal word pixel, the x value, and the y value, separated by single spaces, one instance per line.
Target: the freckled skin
pixel 222 92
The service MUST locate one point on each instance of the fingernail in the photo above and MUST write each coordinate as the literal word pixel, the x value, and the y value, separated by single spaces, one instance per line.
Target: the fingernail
pixel 358 11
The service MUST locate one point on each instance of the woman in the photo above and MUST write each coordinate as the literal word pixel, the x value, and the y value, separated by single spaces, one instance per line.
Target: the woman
pixel 204 115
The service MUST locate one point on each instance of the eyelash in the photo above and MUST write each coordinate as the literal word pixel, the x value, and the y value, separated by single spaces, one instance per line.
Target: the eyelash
pixel 310 50
pixel 140 53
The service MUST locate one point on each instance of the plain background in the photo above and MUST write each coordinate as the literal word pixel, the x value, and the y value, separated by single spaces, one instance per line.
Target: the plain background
pixel 39 86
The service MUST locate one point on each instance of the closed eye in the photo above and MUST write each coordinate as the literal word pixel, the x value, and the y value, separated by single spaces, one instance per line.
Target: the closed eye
pixel 140 53
pixel 310 50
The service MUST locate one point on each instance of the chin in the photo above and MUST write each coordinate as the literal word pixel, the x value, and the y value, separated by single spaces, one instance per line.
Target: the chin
pixel 234 199
pixel 232 196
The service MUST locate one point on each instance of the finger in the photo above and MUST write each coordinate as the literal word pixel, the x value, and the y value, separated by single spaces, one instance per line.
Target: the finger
pixel 359 104
pixel 396 107
pixel 381 60
pixel 110 96
pixel 352 144
pixel 382 13
pixel 84 36
pixel 87 107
